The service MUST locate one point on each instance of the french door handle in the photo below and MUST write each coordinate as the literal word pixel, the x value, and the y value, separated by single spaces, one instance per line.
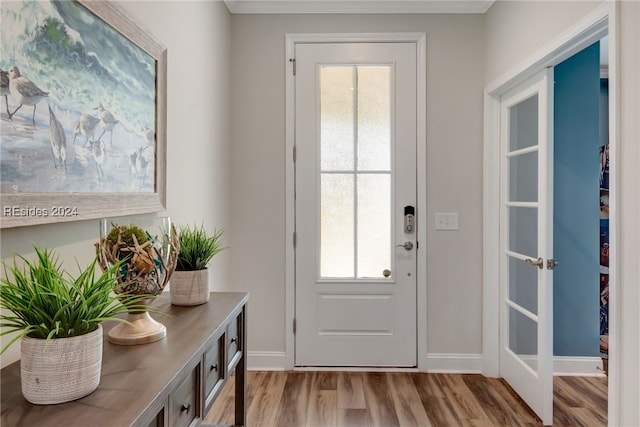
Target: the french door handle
pixel 539 262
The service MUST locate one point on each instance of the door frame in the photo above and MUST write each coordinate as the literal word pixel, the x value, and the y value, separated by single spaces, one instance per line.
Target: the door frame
pixel 602 21
pixel 291 39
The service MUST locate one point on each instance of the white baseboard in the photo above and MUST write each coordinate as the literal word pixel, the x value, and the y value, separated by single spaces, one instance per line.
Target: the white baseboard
pixel 577 366
pixel 454 363
pixel 443 363
pixel 266 360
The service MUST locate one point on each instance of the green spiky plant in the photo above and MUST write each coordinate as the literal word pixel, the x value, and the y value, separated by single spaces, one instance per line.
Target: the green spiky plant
pixel 197 247
pixel 46 302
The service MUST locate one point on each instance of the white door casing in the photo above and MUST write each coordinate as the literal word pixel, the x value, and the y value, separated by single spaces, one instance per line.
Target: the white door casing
pixel 526 278
pixel 347 312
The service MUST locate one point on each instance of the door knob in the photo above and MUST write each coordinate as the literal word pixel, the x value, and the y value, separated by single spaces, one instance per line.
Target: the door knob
pixel 539 262
pixel 406 245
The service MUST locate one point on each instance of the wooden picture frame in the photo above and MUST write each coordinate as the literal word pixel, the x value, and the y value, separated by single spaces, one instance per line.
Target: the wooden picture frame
pixel 19 208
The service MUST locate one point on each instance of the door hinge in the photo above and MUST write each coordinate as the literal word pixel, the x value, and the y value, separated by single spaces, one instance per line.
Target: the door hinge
pixel 293 62
pixel 295 154
pixel 295 239
pixel 295 326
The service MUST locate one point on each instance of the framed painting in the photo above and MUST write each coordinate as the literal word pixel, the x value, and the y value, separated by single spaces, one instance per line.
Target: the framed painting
pixel 82 113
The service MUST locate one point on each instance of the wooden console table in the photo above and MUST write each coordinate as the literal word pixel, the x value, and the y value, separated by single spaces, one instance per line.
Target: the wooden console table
pixel 171 382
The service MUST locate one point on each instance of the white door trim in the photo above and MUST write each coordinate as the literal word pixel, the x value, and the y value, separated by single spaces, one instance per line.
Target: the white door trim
pixel 589 29
pixel 421 163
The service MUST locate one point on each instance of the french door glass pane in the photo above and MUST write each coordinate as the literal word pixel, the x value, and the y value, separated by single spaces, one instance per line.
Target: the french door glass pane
pixel 523 284
pixel 523 230
pixel 523 177
pixel 355 171
pixel 523 124
pixel 523 337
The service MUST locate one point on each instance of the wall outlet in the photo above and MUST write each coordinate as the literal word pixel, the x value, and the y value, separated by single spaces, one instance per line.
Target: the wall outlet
pixel 447 221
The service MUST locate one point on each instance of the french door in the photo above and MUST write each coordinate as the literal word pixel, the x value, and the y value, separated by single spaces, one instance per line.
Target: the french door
pixel 355 206
pixel 526 271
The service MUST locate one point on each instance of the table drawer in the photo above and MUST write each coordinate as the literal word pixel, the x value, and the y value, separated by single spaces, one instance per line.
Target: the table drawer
pixel 234 340
pixel 214 366
pixel 184 405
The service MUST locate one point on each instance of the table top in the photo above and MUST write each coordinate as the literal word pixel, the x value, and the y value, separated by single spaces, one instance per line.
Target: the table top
pixel 134 379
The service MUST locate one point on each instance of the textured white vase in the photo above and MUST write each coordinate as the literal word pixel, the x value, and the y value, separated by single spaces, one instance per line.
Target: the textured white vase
pixel 189 287
pixel 62 369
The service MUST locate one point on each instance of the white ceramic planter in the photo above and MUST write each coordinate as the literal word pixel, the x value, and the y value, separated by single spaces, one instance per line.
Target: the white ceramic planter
pixel 189 287
pixel 62 369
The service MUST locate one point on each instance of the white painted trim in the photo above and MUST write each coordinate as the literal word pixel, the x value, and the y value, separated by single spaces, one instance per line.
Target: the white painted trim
pixel 358 6
pixel 266 361
pixel 590 28
pixel 436 363
pixel 454 363
pixel 578 366
pixel 421 162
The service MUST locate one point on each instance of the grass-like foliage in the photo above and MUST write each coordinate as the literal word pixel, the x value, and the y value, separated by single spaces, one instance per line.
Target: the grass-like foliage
pixel 46 302
pixel 197 247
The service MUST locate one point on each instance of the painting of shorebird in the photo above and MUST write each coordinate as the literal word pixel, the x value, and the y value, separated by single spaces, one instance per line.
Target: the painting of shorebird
pixel 74 93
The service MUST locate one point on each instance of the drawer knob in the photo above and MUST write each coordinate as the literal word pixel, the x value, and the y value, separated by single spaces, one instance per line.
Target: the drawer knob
pixel 213 368
pixel 185 407
pixel 234 340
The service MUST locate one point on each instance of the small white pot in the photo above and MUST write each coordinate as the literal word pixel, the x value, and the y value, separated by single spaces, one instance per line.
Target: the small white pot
pixel 61 369
pixel 189 287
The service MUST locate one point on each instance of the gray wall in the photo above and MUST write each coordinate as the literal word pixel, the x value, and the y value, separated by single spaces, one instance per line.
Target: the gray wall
pixel 455 45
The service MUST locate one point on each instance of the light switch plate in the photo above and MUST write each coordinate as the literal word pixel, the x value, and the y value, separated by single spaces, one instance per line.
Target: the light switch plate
pixel 447 221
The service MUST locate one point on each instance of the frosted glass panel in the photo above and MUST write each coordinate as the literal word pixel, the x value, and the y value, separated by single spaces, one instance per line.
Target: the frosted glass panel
pixel 374 225
pixel 337 118
pixel 374 118
pixel 337 225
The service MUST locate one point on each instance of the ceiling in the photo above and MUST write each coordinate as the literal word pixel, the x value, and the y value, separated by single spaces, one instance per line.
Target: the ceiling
pixel 358 6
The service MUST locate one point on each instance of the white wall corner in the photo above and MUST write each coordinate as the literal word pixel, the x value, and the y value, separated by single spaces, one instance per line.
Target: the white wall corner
pixel 266 361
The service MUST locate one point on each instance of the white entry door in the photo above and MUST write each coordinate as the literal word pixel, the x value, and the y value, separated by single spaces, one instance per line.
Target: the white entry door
pixel 526 318
pixel 355 179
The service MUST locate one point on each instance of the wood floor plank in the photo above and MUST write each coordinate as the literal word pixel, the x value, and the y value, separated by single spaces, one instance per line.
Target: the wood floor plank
pixel 407 402
pixel 323 408
pixel 350 390
pixel 260 410
pixel 464 403
pixel 294 402
pixel 348 417
pixel 376 399
pixel 497 410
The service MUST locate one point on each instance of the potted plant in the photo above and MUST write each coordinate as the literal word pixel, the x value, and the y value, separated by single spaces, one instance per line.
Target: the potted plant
pixel 190 282
pixel 146 262
pixel 58 318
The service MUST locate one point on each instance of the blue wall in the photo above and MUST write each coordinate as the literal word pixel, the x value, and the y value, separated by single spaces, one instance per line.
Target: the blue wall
pixel 576 204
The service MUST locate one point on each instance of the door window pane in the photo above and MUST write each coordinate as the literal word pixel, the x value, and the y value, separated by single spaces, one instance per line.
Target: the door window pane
pixel 374 118
pixel 523 178
pixel 523 284
pixel 523 231
pixel 337 225
pixel 523 338
pixel 336 118
pixel 523 124
pixel 374 224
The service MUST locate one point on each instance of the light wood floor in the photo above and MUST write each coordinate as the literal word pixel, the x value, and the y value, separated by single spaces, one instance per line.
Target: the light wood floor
pixel 353 399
